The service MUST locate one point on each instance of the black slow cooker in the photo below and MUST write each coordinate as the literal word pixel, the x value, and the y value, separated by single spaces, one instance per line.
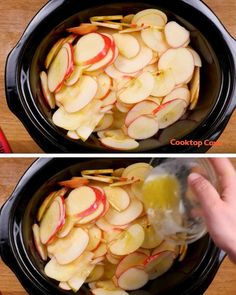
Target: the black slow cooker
pixel 192 276
pixel 208 36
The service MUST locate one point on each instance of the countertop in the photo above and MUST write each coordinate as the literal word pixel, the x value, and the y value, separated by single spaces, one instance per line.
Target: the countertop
pixel 10 172
pixel 14 17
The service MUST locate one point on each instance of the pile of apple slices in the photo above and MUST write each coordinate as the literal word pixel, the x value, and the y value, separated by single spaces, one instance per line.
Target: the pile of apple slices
pixel 127 76
pixel 95 230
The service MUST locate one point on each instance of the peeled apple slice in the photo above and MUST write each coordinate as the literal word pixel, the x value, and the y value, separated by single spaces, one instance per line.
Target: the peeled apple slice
pixel 67 249
pixel 180 61
pixel 155 40
pixel 143 127
pixel 53 52
pixel 138 89
pixel 164 83
pixel 136 63
pixel 42 251
pixel 181 93
pixel 133 279
pixel 83 29
pixel 76 97
pixel 196 57
pixel 58 70
pixel 127 44
pixel 50 99
pixel 80 277
pixel 128 241
pixel 95 236
pixel 117 197
pixel 170 112
pixel 62 273
pixel 104 86
pixel 176 35
pixel 91 48
pixel 119 144
pixel 150 19
pixel 148 12
pixel 195 88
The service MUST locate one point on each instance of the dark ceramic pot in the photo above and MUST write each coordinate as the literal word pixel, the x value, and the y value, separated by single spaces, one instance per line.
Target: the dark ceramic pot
pixel 192 276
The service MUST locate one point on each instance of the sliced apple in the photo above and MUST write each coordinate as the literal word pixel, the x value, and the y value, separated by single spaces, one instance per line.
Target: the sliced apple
pixel 143 127
pixel 136 63
pixel 170 112
pixel 180 61
pixel 50 98
pixel 180 92
pixel 128 18
pixel 155 40
pixel 123 107
pixel 52 221
pixel 150 19
pixel 158 264
pixel 138 89
pixel 129 261
pixel 99 178
pixel 128 241
pixel 133 279
pixel 64 286
pixel 105 123
pixel 67 227
pixel 76 97
pixel 121 218
pixel 104 86
pixel 67 249
pixel 74 77
pixel 110 25
pixel 96 274
pixel 112 235
pixel 196 57
pixel 58 69
pixel 176 35
pixel 107 110
pixel 93 216
pixel 81 202
pixel 91 48
pixel 41 249
pixel 164 83
pixel 124 182
pixel 100 251
pixel 48 201
pixel 127 44
pixel 117 197
pixel 145 14
pixel 195 88
pixel 119 144
pixel 121 83
pixel 152 238
pixel 113 72
pixel 62 273
pixel 167 246
pixel 110 99
pixel 95 236
pixel 102 291
pixel 112 259
pixel 83 29
pixel 88 116
pixel 53 52
pixel 74 182
pixel 143 108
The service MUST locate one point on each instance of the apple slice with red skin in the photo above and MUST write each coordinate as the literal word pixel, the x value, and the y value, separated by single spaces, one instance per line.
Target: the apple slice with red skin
pixel 136 63
pixel 130 214
pixel 95 237
pixel 49 97
pixel 170 112
pixel 79 95
pixel 91 48
pixel 145 107
pixel 75 75
pixel 69 248
pixel 52 221
pixel 81 202
pixel 104 86
pixel 132 279
pixel 180 61
pixel 100 251
pixel 83 29
pixel 180 92
pixel 143 127
pixel 138 89
pixel 105 123
pixel 58 70
pixel 131 260
pixel 176 35
pixel 67 227
pixel 74 182
pixel 53 52
pixel 195 88
pixel 110 99
pixel 41 249
pixel 119 144
pixel 70 51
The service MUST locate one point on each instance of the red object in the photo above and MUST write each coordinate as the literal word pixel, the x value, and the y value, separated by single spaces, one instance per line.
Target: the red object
pixel 4 145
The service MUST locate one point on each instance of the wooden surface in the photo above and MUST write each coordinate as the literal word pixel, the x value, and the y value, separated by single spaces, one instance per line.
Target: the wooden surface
pixel 16 14
pixel 223 284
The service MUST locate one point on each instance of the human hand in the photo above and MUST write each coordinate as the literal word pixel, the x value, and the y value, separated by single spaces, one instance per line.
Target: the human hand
pixel 219 209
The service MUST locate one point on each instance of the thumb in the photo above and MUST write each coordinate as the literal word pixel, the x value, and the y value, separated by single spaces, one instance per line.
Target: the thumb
pixel 205 192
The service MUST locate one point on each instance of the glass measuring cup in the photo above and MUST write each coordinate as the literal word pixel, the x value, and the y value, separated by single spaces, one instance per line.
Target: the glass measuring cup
pixel 172 208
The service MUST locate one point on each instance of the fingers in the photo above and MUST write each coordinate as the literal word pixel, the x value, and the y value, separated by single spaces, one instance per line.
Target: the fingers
pixel 205 192
pixel 224 170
